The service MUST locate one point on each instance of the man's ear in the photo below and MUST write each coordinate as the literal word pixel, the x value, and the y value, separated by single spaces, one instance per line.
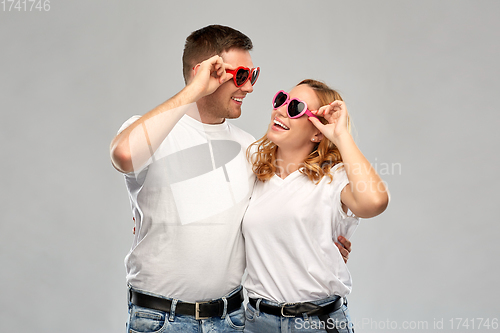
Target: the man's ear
pixel 195 69
pixel 192 73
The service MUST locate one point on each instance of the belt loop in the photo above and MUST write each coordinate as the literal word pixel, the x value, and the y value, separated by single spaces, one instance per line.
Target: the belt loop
pixel 171 316
pixel 129 294
pixel 224 312
pixel 257 307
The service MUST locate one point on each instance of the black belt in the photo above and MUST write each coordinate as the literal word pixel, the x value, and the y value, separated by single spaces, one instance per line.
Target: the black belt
pixel 298 309
pixel 200 310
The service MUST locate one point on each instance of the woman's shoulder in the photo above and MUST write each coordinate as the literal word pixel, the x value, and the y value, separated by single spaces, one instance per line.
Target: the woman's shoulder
pixel 338 175
pixel 337 168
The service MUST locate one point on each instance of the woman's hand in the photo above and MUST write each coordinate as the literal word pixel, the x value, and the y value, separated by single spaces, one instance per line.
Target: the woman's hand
pixel 336 115
pixel 366 194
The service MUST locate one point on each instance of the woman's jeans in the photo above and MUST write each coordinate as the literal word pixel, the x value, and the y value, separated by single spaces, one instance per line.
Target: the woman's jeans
pixel 260 322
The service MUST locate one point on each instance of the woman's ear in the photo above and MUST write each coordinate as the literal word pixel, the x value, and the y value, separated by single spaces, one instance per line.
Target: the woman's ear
pixel 318 136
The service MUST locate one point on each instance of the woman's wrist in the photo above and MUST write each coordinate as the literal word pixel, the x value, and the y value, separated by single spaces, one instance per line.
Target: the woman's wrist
pixel 343 140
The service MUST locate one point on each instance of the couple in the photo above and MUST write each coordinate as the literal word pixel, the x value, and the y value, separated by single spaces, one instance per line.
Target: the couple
pixel 190 183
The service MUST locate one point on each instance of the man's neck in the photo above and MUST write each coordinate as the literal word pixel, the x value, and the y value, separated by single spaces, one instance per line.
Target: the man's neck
pixel 203 118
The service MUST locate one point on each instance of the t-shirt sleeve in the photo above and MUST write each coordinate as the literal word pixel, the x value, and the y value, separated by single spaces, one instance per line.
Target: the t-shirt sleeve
pixel 138 174
pixel 344 223
pixel 127 123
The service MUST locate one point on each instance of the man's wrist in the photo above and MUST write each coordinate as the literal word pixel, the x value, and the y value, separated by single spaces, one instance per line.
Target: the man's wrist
pixel 191 93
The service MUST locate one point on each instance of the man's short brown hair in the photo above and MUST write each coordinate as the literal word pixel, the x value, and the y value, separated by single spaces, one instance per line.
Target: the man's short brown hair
pixel 209 41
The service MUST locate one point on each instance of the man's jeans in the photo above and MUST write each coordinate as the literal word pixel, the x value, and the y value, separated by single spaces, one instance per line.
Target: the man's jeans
pixel 144 320
pixel 260 322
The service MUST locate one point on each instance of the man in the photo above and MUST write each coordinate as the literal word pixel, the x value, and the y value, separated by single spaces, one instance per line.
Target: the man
pixel 189 185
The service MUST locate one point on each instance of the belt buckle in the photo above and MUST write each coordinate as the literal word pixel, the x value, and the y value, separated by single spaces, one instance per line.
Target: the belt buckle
pixel 283 307
pixel 197 310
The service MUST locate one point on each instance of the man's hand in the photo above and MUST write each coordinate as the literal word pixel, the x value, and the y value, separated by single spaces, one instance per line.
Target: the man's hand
pixel 210 75
pixel 344 247
pixel 131 148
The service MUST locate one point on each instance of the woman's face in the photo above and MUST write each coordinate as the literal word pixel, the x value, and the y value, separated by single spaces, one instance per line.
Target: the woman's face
pixel 294 133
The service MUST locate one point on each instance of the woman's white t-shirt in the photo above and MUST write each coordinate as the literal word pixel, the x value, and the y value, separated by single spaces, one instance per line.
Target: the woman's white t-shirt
pixel 290 228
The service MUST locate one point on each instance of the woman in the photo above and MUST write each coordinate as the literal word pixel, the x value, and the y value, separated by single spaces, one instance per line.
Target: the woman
pixel 310 175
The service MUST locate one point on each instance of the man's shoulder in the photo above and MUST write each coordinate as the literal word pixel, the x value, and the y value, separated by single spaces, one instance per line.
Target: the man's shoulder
pixel 241 134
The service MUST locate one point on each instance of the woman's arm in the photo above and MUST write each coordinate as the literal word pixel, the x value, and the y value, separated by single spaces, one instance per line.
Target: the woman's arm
pixel 366 194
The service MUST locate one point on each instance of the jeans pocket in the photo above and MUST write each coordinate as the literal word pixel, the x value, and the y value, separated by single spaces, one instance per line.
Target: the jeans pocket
pixel 144 320
pixel 236 319
pixel 250 313
pixel 341 320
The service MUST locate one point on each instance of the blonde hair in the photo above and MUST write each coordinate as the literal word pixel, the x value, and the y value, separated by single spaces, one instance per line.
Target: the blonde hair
pixel 318 163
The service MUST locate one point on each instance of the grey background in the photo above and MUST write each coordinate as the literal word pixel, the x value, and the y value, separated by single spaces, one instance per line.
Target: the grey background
pixel 420 79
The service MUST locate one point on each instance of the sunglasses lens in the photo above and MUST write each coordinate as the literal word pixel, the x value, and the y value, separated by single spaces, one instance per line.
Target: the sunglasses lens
pixel 279 100
pixel 295 108
pixel 255 75
pixel 242 76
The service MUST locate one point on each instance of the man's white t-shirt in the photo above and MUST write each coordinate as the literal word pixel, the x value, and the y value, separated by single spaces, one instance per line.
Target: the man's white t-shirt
pixel 188 203
pixel 290 227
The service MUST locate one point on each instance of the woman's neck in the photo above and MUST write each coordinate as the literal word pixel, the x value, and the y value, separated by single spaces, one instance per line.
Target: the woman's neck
pixel 289 161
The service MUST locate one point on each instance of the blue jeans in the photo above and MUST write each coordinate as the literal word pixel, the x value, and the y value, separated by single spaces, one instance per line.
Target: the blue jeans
pixel 259 322
pixel 145 320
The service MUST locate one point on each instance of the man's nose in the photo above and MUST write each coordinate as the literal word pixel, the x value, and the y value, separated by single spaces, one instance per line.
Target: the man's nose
pixel 247 87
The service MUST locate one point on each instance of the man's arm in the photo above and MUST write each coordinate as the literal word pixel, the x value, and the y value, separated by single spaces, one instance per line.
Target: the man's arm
pixel 132 147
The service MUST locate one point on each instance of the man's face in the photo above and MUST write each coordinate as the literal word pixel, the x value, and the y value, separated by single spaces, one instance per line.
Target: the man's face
pixel 226 101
